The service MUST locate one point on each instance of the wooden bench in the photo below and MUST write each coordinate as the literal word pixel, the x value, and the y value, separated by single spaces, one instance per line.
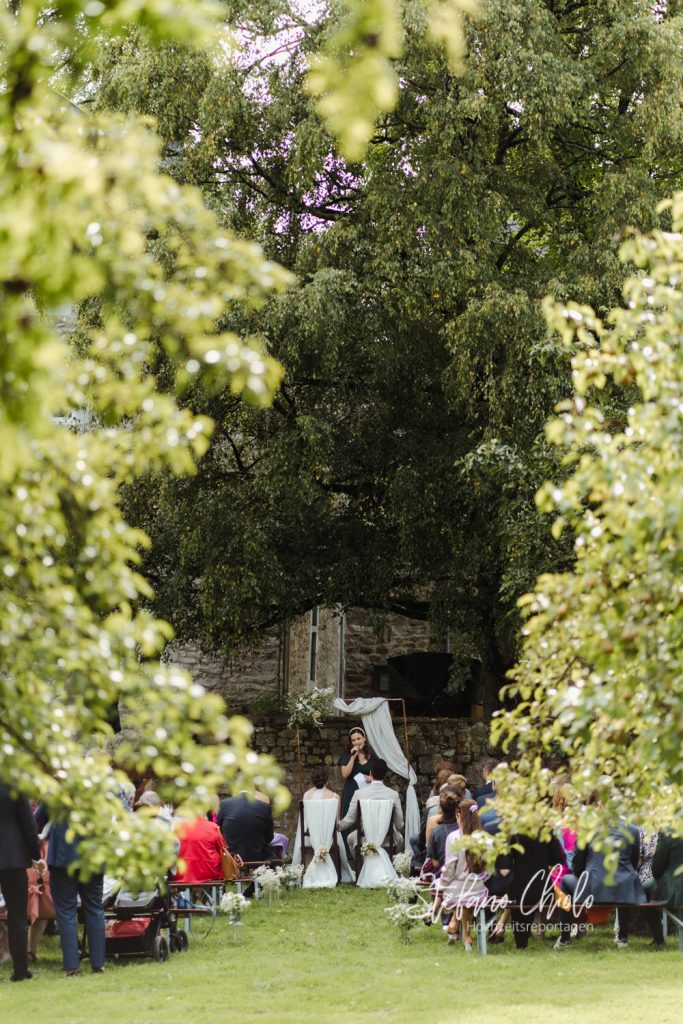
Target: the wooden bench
pixel 211 891
pixel 609 907
pixel 248 868
pixel 482 927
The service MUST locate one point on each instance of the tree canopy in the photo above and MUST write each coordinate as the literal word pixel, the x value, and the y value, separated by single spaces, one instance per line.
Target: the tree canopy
pixel 398 465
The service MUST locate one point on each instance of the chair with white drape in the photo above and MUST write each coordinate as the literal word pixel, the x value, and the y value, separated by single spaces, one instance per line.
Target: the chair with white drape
pixel 318 828
pixel 376 818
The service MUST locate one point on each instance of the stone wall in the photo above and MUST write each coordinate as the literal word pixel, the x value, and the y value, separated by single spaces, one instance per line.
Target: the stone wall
pixel 366 646
pixel 242 678
pixel 258 672
pixel 462 741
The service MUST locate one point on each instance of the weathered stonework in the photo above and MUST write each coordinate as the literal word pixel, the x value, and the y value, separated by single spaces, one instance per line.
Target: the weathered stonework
pixel 349 648
pixel 462 741
pixel 241 678
pixel 365 648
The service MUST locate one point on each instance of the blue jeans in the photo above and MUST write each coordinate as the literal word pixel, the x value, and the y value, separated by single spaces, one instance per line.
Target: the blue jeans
pixel 65 890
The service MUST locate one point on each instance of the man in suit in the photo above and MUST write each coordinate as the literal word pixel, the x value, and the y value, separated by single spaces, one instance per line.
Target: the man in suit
pixel 488 792
pixel 667 869
pixel 247 826
pixel 19 847
pixel 375 790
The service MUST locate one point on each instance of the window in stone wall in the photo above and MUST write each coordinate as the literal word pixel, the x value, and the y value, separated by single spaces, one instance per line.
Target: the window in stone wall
pixel 314 644
pixel 381 679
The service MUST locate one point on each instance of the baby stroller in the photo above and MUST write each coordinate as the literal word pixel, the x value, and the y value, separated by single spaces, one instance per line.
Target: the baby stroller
pixel 143 924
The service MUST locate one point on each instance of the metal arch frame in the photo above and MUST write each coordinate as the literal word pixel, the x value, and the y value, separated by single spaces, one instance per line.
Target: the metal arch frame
pixel 401 701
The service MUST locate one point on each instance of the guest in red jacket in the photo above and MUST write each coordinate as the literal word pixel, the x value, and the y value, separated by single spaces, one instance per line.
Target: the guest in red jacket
pixel 199 856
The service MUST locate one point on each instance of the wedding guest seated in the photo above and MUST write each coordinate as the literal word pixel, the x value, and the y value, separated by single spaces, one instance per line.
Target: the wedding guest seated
pixel 487 792
pixel 449 802
pixel 622 887
pixel 418 842
pixel 462 879
pixel 199 854
pixel 375 790
pixel 151 800
pixel 320 790
pixel 490 818
pixel 442 770
pixel 531 862
pixel 667 870
pixel 458 789
pixel 459 781
pixel 247 827
pixel 563 797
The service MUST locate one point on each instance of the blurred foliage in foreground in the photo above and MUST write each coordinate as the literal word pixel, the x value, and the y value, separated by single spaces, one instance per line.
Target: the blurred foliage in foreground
pixel 600 679
pixel 85 217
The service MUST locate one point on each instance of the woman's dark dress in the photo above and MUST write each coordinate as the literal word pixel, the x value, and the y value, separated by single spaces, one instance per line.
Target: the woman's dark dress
pixel 350 784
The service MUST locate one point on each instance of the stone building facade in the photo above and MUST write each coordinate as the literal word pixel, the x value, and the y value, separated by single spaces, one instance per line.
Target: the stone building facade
pixel 345 651
pixel 349 653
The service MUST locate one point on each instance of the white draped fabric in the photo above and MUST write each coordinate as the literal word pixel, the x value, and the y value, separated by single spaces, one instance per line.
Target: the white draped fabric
pixel 379 729
pixel 320 817
pixel 376 816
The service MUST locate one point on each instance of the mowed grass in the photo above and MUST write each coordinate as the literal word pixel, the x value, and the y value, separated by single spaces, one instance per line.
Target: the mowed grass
pixel 331 956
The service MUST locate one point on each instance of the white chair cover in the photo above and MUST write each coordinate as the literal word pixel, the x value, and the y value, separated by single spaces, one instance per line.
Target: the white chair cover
pixel 319 820
pixel 376 817
pixel 376 721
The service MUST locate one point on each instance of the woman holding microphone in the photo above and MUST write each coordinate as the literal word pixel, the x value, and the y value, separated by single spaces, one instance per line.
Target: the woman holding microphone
pixel 355 767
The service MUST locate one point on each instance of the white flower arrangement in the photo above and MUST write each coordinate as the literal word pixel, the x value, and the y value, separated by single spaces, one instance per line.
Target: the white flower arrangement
pixel 234 904
pixel 369 850
pixel 402 890
pixel 402 862
pixel 321 854
pixel 308 707
pixel 268 881
pixel 290 875
pixel 403 916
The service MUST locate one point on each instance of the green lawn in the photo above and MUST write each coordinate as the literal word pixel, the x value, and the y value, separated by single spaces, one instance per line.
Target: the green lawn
pixel 330 956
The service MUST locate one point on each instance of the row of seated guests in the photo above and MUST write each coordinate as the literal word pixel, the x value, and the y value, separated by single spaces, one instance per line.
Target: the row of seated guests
pixel 242 824
pixel 529 873
pixel 246 827
pixel 247 824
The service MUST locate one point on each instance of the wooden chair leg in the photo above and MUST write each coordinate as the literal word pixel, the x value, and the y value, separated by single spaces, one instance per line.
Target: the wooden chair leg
pixel 303 833
pixel 336 856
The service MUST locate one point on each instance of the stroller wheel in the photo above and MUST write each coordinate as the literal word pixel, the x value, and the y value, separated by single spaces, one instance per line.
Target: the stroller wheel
pixel 160 948
pixel 181 941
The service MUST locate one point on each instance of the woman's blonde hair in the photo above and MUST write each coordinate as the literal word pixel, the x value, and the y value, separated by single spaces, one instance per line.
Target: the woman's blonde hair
pixel 564 795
